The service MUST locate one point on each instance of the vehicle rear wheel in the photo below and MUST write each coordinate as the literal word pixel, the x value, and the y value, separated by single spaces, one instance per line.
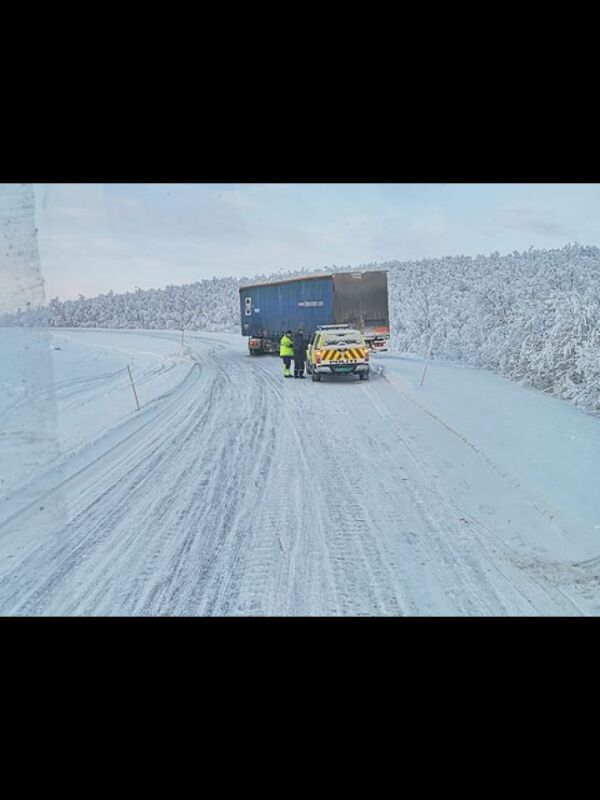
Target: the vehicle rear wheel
pixel 316 377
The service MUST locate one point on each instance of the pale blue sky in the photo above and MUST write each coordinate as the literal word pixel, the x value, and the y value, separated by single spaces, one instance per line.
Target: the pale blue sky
pixel 96 237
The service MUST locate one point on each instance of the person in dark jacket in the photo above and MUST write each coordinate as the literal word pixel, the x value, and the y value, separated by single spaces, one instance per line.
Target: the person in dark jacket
pixel 299 354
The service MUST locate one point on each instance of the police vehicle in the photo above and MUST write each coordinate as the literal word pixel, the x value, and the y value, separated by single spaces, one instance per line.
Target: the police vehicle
pixel 337 350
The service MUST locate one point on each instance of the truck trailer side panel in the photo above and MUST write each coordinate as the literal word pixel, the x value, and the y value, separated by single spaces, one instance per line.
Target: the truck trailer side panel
pixel 268 310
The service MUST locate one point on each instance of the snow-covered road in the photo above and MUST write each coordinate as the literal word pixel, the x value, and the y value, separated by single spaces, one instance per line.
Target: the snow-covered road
pixel 235 492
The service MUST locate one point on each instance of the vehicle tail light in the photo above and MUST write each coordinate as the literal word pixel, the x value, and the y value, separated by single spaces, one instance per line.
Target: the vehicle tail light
pixel 318 357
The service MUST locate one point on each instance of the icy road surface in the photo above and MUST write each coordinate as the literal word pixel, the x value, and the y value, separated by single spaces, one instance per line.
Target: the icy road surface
pixel 236 492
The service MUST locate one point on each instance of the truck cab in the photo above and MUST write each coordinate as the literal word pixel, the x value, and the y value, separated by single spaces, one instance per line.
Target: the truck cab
pixel 377 334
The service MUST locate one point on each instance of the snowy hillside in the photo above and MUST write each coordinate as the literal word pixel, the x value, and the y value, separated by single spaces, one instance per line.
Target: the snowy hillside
pixel 532 316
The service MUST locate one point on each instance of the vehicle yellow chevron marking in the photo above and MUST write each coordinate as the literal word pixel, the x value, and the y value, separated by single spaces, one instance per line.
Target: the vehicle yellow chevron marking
pixel 351 354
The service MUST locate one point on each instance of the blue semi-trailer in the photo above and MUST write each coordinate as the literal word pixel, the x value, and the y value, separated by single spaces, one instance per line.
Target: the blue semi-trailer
pixel 360 299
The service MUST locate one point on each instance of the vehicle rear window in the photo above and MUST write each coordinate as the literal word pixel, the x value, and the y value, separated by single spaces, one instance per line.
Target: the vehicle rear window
pixel 348 339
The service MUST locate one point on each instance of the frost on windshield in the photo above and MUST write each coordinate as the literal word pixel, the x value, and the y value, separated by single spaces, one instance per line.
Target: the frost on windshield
pixel 28 431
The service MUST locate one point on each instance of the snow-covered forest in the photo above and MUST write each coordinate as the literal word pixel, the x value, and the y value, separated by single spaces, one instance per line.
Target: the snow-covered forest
pixel 205 305
pixel 532 316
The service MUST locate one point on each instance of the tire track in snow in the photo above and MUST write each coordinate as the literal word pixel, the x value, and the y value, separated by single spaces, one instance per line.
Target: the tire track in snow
pixel 357 577
pixel 476 559
pixel 104 490
pixel 221 502
pixel 290 528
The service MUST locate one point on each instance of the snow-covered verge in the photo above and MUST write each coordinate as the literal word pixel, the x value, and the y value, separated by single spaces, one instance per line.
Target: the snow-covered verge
pixel 532 316
pixel 536 450
pixel 62 390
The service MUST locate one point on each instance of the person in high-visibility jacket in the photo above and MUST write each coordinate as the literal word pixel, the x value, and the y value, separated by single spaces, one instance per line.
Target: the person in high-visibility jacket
pixel 286 351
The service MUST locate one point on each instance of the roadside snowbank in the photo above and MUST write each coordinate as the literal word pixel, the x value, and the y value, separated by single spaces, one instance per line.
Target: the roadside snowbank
pixel 62 390
pixel 543 447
